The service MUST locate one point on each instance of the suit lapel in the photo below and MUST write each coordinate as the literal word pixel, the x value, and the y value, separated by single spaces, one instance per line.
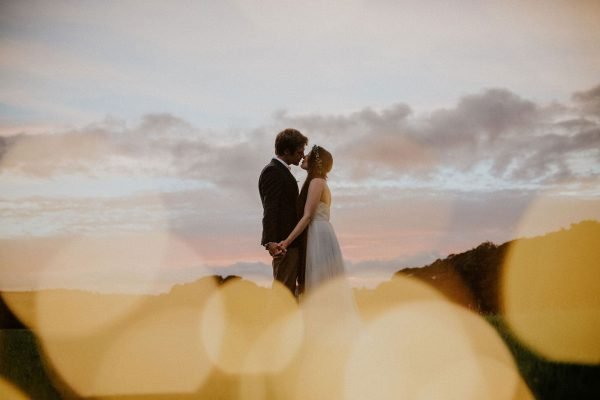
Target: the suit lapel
pixel 292 178
pixel 283 167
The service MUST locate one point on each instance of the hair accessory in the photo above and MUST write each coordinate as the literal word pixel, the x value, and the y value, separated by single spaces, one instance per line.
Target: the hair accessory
pixel 315 150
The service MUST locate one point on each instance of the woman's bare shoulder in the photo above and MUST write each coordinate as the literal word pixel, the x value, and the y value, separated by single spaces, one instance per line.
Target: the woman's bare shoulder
pixel 318 182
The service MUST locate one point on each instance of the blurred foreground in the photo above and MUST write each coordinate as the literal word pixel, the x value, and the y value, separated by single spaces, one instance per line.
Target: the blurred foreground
pixel 518 321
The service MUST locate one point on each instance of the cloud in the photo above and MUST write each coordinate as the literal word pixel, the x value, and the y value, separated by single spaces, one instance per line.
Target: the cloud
pixel 481 117
pixel 147 260
pixel 4 143
pixel 47 155
pixel 589 101
pixel 379 268
pixel 360 273
pixel 221 63
pixel 512 138
pixel 495 132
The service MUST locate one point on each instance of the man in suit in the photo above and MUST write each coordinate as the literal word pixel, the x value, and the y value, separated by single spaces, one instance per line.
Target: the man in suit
pixel 279 192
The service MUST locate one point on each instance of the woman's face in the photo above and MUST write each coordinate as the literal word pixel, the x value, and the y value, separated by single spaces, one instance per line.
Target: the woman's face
pixel 304 164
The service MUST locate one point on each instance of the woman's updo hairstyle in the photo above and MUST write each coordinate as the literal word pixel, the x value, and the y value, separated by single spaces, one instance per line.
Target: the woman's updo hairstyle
pixel 320 163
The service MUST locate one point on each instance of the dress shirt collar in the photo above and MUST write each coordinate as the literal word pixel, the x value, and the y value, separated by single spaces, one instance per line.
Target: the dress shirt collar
pixel 284 163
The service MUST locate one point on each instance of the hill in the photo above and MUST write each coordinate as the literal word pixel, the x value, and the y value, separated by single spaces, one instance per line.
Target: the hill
pixel 472 278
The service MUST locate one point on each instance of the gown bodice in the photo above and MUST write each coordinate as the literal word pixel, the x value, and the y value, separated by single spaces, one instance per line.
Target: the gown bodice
pixel 322 213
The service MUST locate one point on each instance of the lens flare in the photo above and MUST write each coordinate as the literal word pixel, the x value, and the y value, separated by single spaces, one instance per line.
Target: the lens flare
pixel 247 329
pixel 399 290
pixel 10 392
pixel 160 354
pixel 70 313
pixel 331 308
pixel 475 378
pixel 332 323
pixel 551 293
pixel 62 312
pixel 256 387
pixel 156 349
pixel 424 348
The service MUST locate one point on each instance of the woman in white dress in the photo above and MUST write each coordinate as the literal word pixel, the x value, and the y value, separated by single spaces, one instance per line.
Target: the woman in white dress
pixel 323 255
pixel 330 314
pixel 331 318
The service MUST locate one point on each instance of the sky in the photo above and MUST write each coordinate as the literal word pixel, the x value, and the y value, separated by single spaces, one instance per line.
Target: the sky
pixel 132 133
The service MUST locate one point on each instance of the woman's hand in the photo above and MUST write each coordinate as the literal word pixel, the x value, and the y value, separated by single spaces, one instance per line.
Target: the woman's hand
pixel 275 250
pixel 284 244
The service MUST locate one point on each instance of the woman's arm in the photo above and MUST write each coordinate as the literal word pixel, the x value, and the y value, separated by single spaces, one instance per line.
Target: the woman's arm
pixel 315 189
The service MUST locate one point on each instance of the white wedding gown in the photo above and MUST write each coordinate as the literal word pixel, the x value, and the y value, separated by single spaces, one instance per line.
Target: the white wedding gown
pixel 331 315
pixel 323 255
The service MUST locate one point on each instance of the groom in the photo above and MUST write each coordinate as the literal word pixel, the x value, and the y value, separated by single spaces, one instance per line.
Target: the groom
pixel 279 192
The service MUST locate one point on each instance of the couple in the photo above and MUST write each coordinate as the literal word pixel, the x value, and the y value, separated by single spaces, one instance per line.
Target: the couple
pixel 302 258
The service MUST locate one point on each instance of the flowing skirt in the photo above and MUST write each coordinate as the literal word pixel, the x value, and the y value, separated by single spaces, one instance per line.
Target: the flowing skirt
pixel 323 255
pixel 331 314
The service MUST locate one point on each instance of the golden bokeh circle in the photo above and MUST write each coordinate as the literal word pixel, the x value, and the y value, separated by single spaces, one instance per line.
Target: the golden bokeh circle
pixel 403 351
pixel 248 329
pixel 8 391
pixel 550 290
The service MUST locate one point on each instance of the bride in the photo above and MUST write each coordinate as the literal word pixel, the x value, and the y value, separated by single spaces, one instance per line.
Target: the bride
pixel 323 255
pixel 331 318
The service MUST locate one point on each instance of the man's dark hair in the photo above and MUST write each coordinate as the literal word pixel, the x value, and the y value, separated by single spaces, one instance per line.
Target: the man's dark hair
pixel 289 140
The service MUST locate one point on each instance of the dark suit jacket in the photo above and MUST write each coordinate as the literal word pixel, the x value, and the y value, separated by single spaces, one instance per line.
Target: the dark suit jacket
pixel 278 192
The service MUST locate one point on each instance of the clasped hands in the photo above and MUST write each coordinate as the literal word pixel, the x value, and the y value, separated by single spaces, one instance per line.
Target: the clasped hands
pixel 277 250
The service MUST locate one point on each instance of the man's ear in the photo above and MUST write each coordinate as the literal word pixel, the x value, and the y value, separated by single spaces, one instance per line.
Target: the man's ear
pixel 285 155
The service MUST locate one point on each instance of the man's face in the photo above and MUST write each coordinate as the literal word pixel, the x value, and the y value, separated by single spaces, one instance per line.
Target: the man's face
pixel 296 156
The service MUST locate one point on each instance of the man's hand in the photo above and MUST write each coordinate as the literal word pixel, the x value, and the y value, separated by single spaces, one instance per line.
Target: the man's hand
pixel 275 250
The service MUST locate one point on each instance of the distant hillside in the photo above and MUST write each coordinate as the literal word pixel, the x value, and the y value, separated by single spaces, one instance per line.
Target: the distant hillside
pixel 472 278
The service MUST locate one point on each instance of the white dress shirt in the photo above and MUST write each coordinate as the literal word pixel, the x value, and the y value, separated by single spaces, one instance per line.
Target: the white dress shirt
pixel 284 163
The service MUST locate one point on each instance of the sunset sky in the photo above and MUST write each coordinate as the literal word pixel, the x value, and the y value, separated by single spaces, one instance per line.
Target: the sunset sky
pixel 132 133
